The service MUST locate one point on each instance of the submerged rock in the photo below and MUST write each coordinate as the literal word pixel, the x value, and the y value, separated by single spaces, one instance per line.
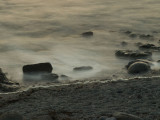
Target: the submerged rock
pixel 133 35
pixel 128 32
pixel 37 68
pixel 125 116
pixel 51 76
pixel 138 67
pixel 87 34
pixel 83 68
pixel 143 36
pixel 149 46
pixel 132 54
pixel 124 43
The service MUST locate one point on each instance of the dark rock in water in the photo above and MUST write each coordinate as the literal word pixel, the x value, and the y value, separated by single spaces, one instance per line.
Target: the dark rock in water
pixel 127 32
pixel 11 116
pixel 139 60
pixel 124 43
pixel 138 44
pixel 51 76
pixel 65 77
pixel 133 35
pixel 149 46
pixel 143 36
pixel 83 68
pixel 87 34
pixel 125 116
pixel 132 54
pixel 138 67
pixel 37 68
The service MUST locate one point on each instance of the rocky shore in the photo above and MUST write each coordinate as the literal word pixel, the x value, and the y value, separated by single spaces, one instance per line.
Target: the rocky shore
pixel 97 100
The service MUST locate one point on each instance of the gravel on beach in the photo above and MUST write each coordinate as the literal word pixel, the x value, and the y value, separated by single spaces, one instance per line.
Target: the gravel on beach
pixel 138 96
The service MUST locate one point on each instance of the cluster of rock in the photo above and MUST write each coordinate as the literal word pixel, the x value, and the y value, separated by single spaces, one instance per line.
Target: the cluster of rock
pixel 43 71
pixel 138 63
pixel 132 54
pixel 7 85
pixel 141 36
pixel 149 46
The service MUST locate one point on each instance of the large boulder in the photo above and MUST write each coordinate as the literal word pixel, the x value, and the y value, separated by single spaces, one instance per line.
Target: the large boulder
pixel 138 67
pixel 139 60
pixel 37 68
pixel 125 116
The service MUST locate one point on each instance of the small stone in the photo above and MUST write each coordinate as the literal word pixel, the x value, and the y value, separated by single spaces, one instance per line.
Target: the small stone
pixel 83 68
pixel 124 43
pixel 128 32
pixel 87 34
pixel 133 35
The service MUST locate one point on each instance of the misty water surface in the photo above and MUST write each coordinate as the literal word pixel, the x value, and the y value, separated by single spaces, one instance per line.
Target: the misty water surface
pixel 49 31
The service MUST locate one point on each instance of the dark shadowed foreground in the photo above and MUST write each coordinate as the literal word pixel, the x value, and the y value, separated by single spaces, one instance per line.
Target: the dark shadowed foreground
pixel 139 96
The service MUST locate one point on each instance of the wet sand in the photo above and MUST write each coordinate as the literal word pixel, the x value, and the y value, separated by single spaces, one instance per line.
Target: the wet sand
pixel 87 101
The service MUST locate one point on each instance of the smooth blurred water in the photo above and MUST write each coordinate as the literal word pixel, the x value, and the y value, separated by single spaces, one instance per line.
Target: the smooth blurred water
pixel 49 31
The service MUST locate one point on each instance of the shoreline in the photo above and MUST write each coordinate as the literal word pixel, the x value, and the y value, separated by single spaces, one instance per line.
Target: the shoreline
pixel 138 96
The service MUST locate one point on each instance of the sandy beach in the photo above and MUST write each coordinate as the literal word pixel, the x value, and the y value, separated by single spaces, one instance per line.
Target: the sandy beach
pixel 87 101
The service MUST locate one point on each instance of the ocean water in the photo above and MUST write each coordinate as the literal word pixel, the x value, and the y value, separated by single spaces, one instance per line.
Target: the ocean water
pixel 50 31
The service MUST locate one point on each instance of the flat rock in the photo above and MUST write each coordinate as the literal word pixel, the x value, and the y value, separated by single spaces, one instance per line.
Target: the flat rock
pixel 37 68
pixel 83 68
pixel 125 116
pixel 87 34
pixel 132 54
